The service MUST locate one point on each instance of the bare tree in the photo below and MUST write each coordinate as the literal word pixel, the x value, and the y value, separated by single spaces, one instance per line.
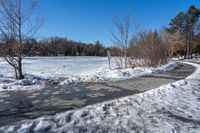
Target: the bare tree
pixel 176 42
pixel 122 36
pixel 16 26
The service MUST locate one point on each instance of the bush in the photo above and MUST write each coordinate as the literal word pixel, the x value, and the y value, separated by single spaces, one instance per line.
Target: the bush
pixel 148 50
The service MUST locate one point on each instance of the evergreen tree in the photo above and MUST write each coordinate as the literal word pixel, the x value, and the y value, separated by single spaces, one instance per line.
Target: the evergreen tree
pixel 184 23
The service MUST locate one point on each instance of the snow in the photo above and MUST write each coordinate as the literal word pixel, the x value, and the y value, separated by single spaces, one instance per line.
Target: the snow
pixel 170 108
pixel 66 70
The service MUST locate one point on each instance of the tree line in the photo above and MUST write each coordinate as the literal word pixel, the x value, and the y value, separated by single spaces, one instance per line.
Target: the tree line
pixel 57 46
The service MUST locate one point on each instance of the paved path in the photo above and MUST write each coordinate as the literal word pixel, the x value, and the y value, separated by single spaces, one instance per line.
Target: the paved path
pixel 19 105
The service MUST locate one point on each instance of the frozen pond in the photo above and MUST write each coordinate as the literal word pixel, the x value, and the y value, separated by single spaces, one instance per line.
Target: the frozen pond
pixel 66 70
pixel 46 67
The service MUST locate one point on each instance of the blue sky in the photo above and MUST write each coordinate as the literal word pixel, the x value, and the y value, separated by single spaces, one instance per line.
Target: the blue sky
pixel 91 20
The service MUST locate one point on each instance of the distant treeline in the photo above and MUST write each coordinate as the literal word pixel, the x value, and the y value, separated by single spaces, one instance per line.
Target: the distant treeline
pixel 57 46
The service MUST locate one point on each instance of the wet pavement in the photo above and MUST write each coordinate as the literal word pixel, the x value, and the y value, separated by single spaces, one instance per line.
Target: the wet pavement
pixel 19 105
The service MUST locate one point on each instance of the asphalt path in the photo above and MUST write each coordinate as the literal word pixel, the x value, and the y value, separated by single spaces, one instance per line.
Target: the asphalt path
pixel 19 105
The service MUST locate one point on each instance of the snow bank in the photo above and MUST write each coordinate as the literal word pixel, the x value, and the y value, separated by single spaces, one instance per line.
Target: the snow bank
pixel 66 70
pixel 170 108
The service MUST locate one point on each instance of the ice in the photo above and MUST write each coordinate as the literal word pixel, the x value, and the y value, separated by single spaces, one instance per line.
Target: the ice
pixel 170 108
pixel 66 70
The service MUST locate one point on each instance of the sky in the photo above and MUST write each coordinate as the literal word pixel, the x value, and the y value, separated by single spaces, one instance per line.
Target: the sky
pixel 91 20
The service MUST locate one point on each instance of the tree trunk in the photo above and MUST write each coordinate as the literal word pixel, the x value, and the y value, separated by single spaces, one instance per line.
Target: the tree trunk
pixel 18 70
pixel 125 56
pixel 20 74
pixel 188 51
pixel 188 47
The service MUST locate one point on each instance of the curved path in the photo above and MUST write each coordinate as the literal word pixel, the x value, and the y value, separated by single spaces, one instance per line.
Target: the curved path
pixel 19 105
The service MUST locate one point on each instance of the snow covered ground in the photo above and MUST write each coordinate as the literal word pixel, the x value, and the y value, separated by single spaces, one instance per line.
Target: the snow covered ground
pixel 65 70
pixel 170 108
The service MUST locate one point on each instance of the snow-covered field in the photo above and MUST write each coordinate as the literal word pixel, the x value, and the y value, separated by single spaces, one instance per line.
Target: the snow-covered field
pixel 65 70
pixel 171 108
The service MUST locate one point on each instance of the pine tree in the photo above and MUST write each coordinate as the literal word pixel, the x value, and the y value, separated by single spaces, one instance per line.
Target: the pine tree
pixel 184 24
